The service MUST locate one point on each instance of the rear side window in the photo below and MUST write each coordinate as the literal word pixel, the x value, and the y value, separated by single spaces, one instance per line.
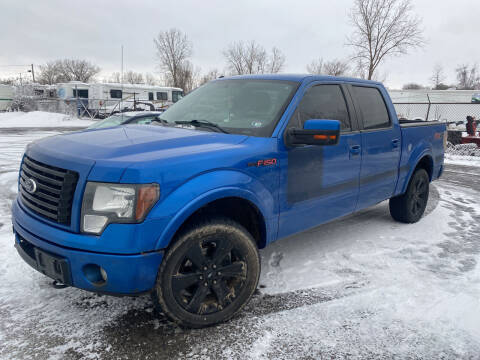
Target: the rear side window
pixel 372 107
pixel 322 102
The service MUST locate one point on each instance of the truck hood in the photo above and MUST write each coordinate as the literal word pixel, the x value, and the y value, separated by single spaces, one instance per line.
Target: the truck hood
pixel 132 142
pixel 104 154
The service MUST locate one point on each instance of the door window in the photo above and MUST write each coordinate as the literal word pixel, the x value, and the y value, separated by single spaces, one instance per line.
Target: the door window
pixel 150 96
pixel 372 107
pixel 322 102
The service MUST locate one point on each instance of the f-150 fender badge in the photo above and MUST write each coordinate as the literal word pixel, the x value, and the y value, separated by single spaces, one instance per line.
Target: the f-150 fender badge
pixel 266 162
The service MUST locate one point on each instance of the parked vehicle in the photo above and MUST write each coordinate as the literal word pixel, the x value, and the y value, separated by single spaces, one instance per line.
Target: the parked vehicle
pixel 138 118
pixel 106 96
pixel 182 212
pixel 6 97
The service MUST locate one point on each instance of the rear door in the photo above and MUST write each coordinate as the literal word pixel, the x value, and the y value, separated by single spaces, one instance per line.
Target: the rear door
pixel 321 182
pixel 380 145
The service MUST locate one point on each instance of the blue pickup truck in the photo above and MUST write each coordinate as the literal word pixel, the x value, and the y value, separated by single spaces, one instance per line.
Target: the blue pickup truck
pixel 180 208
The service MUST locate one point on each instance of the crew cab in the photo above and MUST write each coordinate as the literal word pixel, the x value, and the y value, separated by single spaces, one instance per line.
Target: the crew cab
pixel 181 207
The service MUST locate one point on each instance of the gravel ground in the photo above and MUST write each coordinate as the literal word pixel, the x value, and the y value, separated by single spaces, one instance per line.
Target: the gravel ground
pixel 360 287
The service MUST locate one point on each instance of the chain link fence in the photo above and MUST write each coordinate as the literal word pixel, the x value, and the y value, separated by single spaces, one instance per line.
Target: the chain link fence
pixel 82 108
pixel 449 112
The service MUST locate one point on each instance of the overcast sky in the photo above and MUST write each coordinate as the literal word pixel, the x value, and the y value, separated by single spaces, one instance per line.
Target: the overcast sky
pixel 39 31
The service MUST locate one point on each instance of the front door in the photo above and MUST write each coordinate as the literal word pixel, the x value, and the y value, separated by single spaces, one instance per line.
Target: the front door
pixel 321 182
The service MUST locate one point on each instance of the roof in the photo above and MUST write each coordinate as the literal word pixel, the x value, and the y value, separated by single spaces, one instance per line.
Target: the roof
pixel 299 78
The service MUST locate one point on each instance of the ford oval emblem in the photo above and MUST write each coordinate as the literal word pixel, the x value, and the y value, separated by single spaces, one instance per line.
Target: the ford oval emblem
pixel 30 186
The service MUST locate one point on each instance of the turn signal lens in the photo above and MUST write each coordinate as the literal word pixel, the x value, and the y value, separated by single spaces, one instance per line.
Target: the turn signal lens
pixel 147 197
pixel 320 137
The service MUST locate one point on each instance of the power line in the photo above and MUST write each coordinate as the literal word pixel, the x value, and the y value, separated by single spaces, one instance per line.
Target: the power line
pixel 14 65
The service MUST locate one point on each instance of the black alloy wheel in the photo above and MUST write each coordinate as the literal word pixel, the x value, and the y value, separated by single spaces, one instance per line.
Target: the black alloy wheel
pixel 209 274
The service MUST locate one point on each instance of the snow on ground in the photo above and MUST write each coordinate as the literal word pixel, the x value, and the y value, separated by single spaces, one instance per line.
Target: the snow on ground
pixel 462 160
pixel 40 119
pixel 360 287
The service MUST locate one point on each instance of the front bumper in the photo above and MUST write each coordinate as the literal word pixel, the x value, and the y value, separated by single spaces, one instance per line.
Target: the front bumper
pixel 126 274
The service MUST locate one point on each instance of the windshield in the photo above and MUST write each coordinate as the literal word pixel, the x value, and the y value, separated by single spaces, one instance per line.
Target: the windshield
pixel 113 120
pixel 250 107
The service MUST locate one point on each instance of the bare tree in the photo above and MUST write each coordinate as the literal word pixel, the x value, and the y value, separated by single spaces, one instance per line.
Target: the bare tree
pixel 336 67
pixel 188 77
pixel 316 67
pixel 116 77
pixel 252 58
pixel 49 73
pixel 78 70
pixel 468 77
pixel 277 61
pixel 211 75
pixel 173 51
pixel 383 28
pixel 132 77
pixel 438 77
pixel 150 79
pixel 67 70
pixel 412 86
pixel 7 81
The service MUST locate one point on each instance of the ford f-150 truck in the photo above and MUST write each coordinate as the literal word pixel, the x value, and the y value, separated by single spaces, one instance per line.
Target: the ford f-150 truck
pixel 180 208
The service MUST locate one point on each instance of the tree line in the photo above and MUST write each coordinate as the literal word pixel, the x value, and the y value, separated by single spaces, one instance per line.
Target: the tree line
pixel 381 29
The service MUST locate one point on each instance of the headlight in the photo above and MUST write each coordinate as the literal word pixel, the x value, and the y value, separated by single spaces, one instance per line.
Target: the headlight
pixel 106 203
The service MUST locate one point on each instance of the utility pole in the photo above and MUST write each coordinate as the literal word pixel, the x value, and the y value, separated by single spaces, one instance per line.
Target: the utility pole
pixel 21 83
pixel 33 74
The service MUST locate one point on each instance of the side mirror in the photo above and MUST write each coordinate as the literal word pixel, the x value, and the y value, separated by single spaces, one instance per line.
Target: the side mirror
pixel 315 132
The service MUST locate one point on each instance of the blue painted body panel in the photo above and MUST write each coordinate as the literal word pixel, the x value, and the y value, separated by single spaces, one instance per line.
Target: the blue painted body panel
pixel 309 185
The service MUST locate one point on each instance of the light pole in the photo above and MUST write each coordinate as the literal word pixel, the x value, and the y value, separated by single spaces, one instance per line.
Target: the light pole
pixel 33 73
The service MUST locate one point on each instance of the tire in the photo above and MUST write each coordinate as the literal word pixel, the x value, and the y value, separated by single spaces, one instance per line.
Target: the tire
pixel 409 207
pixel 208 275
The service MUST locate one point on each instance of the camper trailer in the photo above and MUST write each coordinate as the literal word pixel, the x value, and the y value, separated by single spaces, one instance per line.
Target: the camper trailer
pixel 6 97
pixel 107 96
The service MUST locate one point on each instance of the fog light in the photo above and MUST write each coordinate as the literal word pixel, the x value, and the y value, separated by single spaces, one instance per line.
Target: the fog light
pixel 95 274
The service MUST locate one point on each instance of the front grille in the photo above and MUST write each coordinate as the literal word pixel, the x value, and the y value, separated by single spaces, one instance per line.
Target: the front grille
pixel 54 192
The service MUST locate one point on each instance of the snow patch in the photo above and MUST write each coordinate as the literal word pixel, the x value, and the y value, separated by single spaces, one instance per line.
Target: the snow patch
pixel 40 119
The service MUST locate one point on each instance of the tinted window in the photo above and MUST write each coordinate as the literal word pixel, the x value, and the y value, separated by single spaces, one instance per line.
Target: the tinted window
pixel 116 94
pixel 150 96
pixel 371 106
pixel 322 102
pixel 162 96
pixel 82 93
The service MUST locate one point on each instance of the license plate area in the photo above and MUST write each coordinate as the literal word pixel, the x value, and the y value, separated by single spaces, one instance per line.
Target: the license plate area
pixel 53 266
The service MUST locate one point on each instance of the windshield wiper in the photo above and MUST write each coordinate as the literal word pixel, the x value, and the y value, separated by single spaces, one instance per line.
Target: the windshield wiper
pixel 202 123
pixel 161 121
